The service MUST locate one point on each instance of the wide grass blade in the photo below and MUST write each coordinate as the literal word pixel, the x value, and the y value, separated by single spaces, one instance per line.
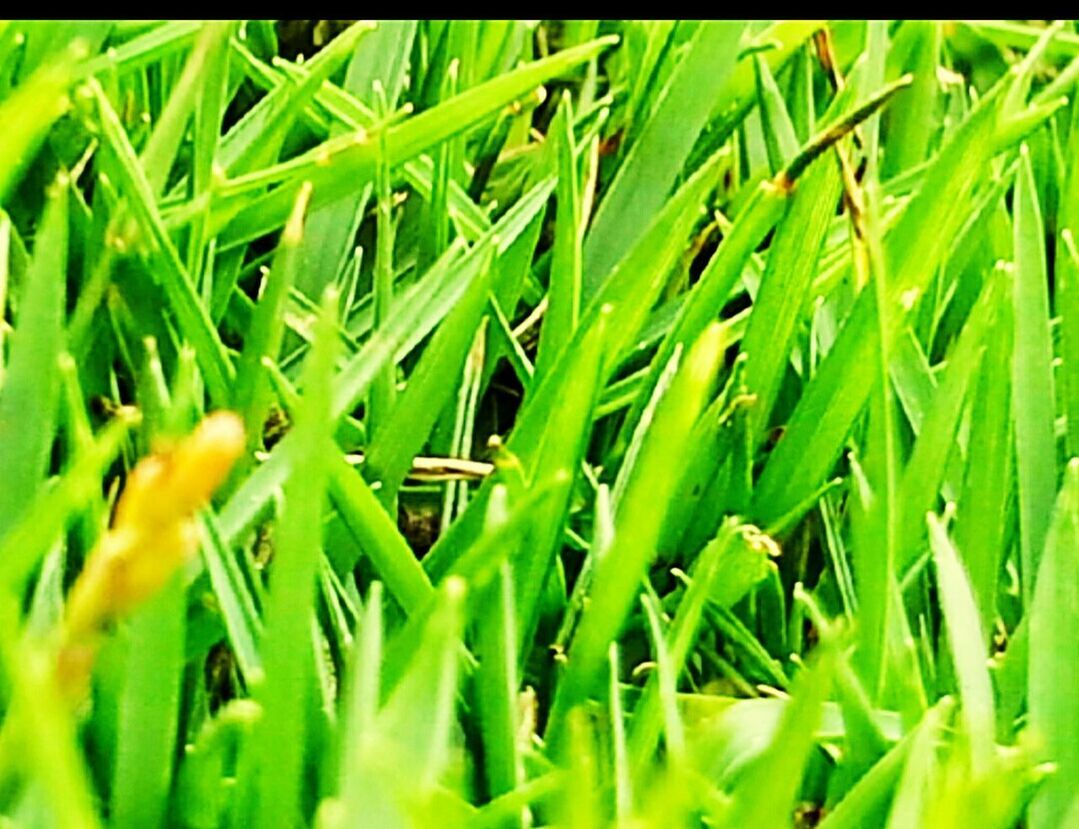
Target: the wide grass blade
pixel 1054 663
pixel 30 111
pixel 656 157
pixel 30 394
pixel 278 745
pixel 150 712
pixel 651 483
pixel 788 277
pixel 1034 401
pixel 765 796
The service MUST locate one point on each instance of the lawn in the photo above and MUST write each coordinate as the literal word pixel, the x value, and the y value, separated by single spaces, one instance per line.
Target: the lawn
pixel 509 424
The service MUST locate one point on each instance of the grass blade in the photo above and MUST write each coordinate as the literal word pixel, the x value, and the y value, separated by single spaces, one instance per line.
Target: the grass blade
pixel 968 646
pixel 277 747
pixel 1034 401
pixel 618 574
pixel 650 168
pixel 30 394
pixel 1054 665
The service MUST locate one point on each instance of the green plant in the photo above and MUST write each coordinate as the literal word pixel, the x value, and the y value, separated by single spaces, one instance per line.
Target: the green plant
pixel 634 424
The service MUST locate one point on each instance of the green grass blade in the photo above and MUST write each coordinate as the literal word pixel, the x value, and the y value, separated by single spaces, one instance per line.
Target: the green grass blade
pixel 30 394
pixel 362 693
pixel 30 111
pixel 377 534
pixel 256 140
pixel 909 808
pixel 1034 400
pixel 1066 277
pixel 912 118
pixel 201 789
pixel 380 57
pixel 160 152
pixel 1067 300
pixel 354 115
pixel 343 166
pixel 278 743
pixel 967 642
pixel 867 802
pixel 653 480
pixel 666 684
pixel 728 567
pixel 787 280
pixel 422 307
pixel 251 393
pixel 564 291
pixel 414 726
pixel 766 795
pixel 627 296
pixel 428 391
pixel 496 687
pixel 757 219
pixel 645 178
pixel 779 134
pixel 417 312
pixel 776 42
pixel 191 315
pixel 839 390
pixel 925 471
pixel 47 515
pixel 150 710
pixel 1054 665
pixel 383 392
pixel 206 138
pixel 41 729
pixel 560 447
pixel 983 502
pixel 239 607
pixel 146 48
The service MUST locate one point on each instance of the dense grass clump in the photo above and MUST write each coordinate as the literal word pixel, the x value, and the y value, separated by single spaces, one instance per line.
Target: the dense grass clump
pixel 545 423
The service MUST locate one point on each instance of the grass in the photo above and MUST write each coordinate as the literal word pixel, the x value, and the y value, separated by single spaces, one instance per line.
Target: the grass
pixel 539 423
